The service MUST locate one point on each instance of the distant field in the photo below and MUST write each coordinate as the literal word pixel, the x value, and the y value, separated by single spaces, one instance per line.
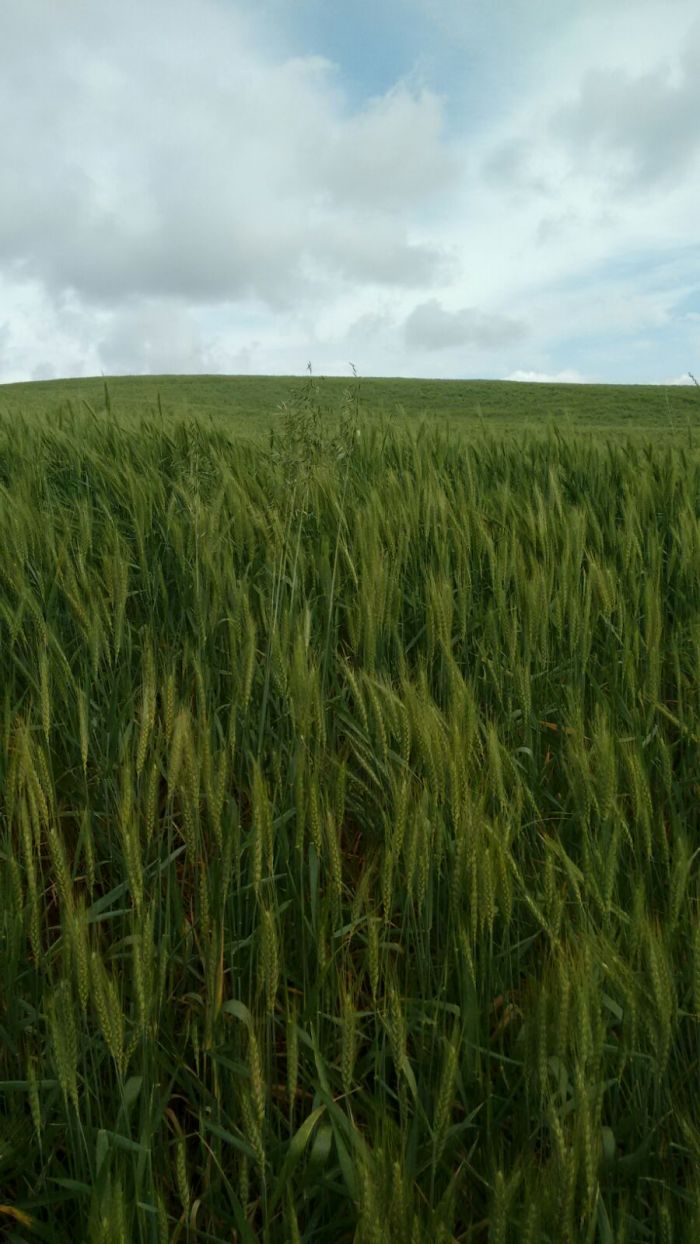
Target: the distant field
pixel 250 404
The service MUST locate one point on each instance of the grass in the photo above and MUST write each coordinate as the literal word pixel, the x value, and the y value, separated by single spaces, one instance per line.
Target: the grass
pixel 349 807
pixel 249 405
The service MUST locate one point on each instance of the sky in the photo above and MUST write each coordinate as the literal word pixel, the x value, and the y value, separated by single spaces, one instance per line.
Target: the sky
pixel 504 189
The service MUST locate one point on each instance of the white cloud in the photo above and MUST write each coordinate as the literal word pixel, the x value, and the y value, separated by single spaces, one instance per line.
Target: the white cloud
pixel 641 126
pixel 431 327
pixel 568 376
pixel 154 336
pixel 45 339
pixel 179 166
pixel 180 192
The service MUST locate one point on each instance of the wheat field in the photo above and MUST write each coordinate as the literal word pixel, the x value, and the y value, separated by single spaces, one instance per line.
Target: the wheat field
pixel 348 834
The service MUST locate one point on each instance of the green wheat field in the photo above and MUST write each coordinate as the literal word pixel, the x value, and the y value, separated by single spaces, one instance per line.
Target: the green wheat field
pixel 349 812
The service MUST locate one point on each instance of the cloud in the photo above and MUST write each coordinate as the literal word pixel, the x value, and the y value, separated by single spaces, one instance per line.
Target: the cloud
pixel 44 339
pixel 641 127
pixel 221 185
pixel 371 324
pixel 568 376
pixel 608 123
pixel 391 154
pixel 431 327
pixel 190 163
pixel 509 162
pixel 4 341
pixel 155 336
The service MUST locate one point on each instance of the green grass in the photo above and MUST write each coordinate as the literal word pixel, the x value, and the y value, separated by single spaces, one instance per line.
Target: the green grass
pixel 349 795
pixel 249 405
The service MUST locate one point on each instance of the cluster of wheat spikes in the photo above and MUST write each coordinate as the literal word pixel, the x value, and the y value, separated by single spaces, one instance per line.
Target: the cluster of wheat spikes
pixel 349 807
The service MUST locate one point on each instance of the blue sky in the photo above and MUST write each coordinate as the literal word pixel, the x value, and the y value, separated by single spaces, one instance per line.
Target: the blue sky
pixel 424 188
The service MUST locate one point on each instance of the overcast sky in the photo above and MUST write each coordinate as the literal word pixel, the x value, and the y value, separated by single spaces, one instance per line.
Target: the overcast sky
pixel 448 188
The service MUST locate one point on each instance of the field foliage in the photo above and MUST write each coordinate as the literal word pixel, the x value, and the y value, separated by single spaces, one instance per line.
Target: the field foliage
pixel 349 795
pixel 248 406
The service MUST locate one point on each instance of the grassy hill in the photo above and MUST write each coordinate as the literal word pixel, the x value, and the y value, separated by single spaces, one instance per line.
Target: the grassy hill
pixel 250 404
